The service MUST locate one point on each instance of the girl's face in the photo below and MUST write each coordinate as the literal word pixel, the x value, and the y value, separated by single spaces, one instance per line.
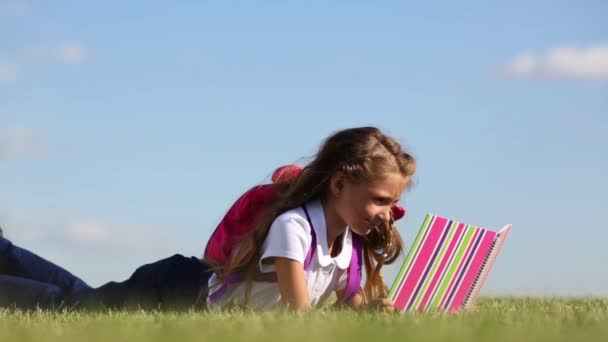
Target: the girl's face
pixel 364 205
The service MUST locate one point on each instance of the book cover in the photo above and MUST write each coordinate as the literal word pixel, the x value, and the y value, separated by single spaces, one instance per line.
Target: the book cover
pixel 446 266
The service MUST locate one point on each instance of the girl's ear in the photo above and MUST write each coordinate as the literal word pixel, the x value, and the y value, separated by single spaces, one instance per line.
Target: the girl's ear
pixel 336 183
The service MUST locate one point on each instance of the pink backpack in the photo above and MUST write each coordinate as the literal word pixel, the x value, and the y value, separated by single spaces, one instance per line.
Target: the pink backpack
pixel 244 214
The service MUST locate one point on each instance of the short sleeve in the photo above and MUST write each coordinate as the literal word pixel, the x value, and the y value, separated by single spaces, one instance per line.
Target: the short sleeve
pixel 288 237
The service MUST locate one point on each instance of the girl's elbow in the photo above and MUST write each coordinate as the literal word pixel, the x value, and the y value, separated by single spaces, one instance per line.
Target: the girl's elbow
pixel 356 301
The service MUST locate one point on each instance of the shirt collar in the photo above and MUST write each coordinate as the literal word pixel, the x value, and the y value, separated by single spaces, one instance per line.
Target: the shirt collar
pixel 317 216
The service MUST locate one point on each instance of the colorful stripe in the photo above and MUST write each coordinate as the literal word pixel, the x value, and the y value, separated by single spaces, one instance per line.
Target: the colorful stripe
pixel 440 267
pixel 444 266
pixel 501 236
pixel 450 268
pixel 429 266
pixel 398 285
pixel 461 265
pixel 398 295
pixel 477 259
pixel 416 272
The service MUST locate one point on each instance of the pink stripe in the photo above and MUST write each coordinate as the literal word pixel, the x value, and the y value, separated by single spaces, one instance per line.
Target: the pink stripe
pixel 459 269
pixel 442 266
pixel 490 263
pixel 474 268
pixel 418 268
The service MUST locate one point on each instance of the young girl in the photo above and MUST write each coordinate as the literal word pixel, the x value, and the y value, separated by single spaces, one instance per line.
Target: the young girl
pixel 296 256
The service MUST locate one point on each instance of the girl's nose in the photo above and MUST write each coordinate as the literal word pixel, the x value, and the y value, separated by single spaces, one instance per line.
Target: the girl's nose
pixel 385 215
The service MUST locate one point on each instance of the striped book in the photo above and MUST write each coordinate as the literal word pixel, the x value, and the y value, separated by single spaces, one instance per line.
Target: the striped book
pixel 446 266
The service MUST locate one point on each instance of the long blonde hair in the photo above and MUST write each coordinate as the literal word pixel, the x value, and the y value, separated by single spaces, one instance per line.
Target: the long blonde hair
pixel 363 154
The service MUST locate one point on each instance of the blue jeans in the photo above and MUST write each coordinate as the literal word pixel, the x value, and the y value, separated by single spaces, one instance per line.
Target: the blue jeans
pixel 28 281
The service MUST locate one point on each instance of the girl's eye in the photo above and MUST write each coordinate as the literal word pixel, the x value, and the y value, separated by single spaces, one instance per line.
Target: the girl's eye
pixel 382 200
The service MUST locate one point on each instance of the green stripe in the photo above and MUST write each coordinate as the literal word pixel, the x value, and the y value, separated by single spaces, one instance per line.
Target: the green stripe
pixel 453 266
pixel 431 275
pixel 410 255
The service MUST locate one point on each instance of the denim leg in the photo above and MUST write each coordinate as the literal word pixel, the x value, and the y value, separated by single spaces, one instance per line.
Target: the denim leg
pixel 19 262
pixel 171 283
pixel 27 294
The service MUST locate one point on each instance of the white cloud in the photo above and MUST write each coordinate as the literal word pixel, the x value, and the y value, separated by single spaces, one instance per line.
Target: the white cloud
pixel 90 233
pixel 68 53
pixel 96 250
pixel 73 232
pixel 20 142
pixel 565 62
pixel 72 53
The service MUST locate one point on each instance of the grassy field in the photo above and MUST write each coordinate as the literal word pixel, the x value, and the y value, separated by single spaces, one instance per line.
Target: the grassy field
pixel 494 319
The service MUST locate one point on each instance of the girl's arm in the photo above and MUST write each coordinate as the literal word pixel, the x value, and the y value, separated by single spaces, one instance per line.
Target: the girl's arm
pixel 292 283
pixel 355 302
pixel 359 302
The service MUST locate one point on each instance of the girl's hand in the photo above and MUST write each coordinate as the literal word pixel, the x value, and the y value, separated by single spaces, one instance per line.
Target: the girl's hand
pixel 359 302
pixel 381 304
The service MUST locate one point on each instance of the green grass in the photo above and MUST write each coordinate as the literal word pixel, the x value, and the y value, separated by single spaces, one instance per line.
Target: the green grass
pixel 493 319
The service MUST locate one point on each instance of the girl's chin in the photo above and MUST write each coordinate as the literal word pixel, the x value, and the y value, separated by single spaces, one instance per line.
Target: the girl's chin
pixel 362 232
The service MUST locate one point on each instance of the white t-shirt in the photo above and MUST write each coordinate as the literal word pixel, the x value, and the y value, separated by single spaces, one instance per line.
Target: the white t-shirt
pixel 290 237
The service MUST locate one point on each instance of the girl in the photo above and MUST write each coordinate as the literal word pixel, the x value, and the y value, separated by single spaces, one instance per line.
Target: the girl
pixel 303 241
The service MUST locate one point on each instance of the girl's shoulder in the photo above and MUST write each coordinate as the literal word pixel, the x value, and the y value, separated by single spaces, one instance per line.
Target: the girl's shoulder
pixel 299 216
pixel 290 235
pixel 293 216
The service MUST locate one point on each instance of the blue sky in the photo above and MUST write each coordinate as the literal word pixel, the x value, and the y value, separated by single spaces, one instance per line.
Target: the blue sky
pixel 127 129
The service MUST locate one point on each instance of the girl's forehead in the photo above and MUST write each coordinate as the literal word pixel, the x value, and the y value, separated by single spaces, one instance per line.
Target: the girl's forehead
pixel 391 184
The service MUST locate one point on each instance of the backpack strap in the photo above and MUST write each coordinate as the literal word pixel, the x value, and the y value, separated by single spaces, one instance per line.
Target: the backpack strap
pixel 353 283
pixel 355 271
pixel 270 277
pixel 313 244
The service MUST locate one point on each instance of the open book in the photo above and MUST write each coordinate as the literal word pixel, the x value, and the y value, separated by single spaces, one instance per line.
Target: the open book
pixel 446 266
